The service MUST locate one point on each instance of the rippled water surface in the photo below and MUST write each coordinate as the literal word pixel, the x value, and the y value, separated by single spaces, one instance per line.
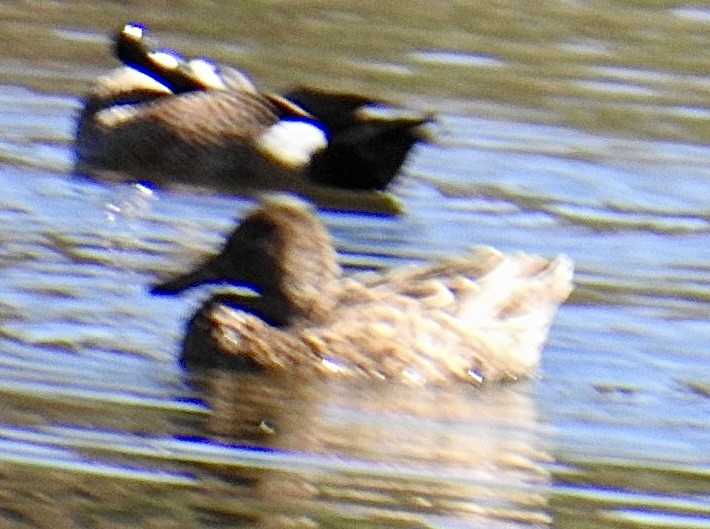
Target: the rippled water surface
pixel 575 127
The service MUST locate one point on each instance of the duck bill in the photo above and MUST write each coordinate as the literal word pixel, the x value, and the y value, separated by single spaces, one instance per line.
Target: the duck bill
pixel 207 273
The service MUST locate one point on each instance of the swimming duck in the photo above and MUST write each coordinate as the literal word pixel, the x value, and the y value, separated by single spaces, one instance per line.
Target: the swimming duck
pixel 169 120
pixel 480 317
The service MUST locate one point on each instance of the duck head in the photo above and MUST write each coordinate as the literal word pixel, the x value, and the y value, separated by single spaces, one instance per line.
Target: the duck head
pixel 282 251
pixel 366 147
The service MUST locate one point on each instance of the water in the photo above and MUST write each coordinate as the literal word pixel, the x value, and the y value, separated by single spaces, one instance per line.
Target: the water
pixel 561 127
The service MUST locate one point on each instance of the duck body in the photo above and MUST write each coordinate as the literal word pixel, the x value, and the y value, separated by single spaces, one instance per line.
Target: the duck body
pixel 480 317
pixel 204 138
pixel 167 120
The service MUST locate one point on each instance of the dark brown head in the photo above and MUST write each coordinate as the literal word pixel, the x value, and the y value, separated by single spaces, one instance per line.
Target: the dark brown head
pixel 280 249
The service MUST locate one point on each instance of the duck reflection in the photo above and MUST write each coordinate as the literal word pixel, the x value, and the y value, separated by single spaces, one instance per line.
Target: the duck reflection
pixel 382 454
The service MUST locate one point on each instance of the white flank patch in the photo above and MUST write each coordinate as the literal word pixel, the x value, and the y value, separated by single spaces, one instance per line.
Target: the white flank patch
pixel 292 143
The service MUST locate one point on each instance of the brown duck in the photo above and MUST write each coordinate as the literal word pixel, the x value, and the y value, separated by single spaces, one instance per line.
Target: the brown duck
pixel 480 317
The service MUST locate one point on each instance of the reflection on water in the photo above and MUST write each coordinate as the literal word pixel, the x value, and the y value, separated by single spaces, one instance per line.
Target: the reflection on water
pixel 391 453
pixel 562 127
pixel 322 452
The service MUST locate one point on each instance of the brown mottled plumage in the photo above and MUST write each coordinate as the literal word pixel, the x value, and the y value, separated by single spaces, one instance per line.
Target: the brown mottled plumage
pixel 482 316
pixel 129 123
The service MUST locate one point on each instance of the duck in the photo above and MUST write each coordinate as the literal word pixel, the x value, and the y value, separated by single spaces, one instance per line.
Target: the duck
pixel 289 309
pixel 168 120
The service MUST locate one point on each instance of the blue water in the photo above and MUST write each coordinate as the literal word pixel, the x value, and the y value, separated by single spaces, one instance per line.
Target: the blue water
pixel 612 432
